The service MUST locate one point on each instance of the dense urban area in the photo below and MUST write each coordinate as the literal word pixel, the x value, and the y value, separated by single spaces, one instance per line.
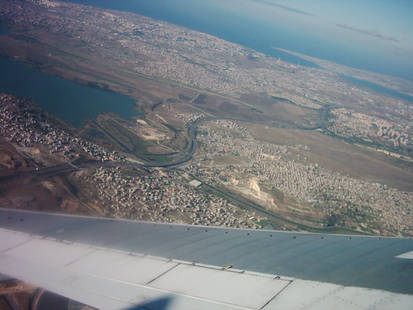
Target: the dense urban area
pixel 339 197
pixel 23 124
pixel 142 193
pixel 176 195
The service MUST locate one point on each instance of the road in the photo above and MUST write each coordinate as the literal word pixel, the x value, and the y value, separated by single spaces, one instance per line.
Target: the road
pixel 190 150
pixel 187 155
pixel 48 171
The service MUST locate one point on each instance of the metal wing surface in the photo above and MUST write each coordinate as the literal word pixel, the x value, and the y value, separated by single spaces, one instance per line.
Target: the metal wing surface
pixel 120 264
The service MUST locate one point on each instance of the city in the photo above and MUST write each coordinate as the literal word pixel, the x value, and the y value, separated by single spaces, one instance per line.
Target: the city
pixel 190 154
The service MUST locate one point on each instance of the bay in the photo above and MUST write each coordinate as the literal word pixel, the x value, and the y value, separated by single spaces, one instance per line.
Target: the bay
pixel 71 102
pixel 377 88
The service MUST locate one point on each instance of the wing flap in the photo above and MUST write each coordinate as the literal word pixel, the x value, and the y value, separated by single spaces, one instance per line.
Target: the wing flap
pixel 109 279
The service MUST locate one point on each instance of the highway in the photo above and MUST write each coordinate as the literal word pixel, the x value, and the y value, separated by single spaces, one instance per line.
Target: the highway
pixel 48 171
pixel 188 152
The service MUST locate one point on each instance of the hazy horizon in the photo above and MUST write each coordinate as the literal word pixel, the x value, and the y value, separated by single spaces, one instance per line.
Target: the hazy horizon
pixel 373 35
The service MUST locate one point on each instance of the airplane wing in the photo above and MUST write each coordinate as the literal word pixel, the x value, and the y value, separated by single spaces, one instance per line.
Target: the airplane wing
pixel 121 264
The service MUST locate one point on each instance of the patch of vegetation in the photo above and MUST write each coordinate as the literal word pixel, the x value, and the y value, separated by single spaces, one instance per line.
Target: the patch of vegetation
pixel 201 99
pixel 156 105
pixel 263 223
pixel 256 110
pixel 334 220
pixel 172 100
pixel 184 97
pixel 137 32
pixel 277 193
pixel 285 100
pixel 252 57
pixel 156 158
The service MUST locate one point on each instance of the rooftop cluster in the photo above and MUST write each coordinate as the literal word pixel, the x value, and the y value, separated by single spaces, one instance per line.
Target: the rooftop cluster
pixel 352 200
pixel 23 123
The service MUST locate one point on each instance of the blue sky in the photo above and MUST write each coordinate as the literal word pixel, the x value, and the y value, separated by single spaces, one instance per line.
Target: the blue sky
pixel 384 24
pixel 379 31
pixel 388 17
